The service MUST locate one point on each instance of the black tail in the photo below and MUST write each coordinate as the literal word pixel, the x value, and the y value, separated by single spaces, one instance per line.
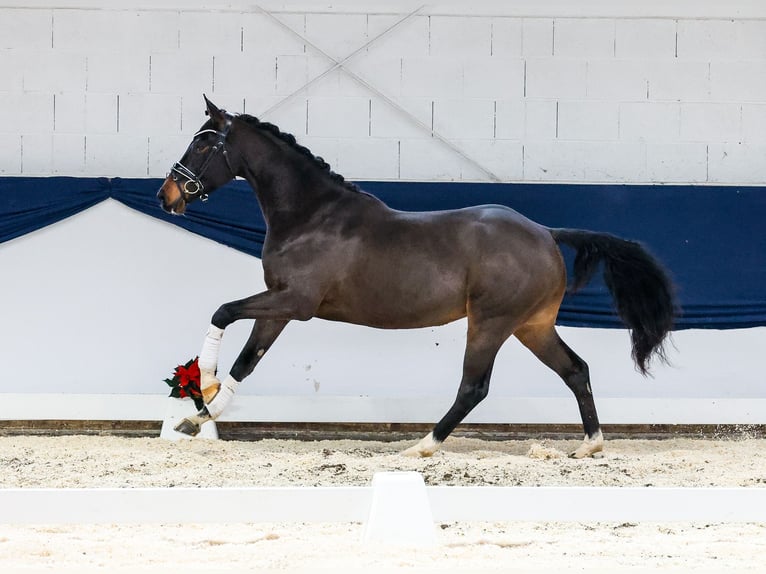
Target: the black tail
pixel 641 289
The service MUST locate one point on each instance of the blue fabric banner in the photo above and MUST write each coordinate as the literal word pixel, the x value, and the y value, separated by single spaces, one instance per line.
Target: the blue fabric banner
pixel 711 238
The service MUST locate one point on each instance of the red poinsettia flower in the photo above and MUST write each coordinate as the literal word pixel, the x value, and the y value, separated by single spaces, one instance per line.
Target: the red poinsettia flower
pixel 186 381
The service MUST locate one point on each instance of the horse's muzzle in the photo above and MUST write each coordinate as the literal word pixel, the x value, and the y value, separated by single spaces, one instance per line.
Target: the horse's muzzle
pixel 171 198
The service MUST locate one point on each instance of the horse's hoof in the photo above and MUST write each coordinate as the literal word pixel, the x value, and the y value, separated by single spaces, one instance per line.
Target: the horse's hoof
pixel 416 452
pixel 425 448
pixel 591 447
pixel 188 427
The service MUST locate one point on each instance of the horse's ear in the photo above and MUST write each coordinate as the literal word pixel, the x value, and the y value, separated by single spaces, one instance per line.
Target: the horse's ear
pixel 215 114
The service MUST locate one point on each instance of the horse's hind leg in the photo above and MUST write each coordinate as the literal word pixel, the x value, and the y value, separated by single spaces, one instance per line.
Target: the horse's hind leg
pixel 264 333
pixel 480 352
pixel 547 346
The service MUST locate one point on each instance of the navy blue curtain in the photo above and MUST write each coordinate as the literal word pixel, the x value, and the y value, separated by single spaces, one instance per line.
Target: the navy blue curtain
pixel 712 239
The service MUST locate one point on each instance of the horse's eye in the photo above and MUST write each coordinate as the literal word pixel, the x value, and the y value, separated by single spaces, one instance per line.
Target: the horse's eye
pixel 202 149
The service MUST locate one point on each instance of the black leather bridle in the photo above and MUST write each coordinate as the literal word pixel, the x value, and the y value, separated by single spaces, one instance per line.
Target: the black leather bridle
pixel 192 185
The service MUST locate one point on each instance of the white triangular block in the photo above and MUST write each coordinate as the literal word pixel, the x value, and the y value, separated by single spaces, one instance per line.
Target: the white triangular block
pixel 177 410
pixel 400 513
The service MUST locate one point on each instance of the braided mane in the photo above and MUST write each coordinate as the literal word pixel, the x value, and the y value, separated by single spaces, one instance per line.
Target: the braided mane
pixel 290 140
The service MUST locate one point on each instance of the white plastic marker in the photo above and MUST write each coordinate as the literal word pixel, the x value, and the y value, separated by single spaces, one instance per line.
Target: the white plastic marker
pixel 400 513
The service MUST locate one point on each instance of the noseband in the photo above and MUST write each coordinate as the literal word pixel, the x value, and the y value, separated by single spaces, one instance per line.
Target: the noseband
pixel 193 181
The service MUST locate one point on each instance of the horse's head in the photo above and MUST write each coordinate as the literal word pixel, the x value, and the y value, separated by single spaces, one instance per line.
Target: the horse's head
pixel 204 167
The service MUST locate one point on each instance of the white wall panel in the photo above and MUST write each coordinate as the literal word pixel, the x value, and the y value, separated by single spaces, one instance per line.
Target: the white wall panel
pixel 507 37
pixel 68 154
pixel 652 121
pixel 465 119
pixel 679 80
pixel 754 123
pixel 556 78
pixel 28 29
pixel 206 33
pixel 390 122
pixel 711 122
pixel 540 120
pixel 537 37
pixel 123 71
pixel 444 63
pixel 510 118
pixel 493 77
pixel 63 71
pixel 737 162
pixel 583 38
pixel 708 39
pixel 372 158
pixel 116 155
pixel 676 162
pixel 173 73
pixel 40 159
pixel 453 37
pixel 645 38
pixel 587 121
pixel 150 114
pixel 743 81
pixel 431 77
pixel 101 113
pixel 337 34
pixel 22 112
pixel 617 80
pixel 410 38
pixel 10 154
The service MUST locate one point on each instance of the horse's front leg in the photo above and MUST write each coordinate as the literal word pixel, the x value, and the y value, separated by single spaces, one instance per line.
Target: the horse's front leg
pixel 272 311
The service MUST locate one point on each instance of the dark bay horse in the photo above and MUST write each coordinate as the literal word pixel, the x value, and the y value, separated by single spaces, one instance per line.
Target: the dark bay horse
pixel 335 252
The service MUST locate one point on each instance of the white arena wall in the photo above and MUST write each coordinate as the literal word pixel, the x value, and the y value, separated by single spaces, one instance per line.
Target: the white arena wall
pixel 109 301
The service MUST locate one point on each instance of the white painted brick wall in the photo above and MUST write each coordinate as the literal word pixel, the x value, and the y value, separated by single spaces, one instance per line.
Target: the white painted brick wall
pixel 736 163
pixel 40 161
pixel 507 37
pixel 372 159
pixel 27 29
pixel 493 77
pixel 617 80
pixel 584 38
pixel 738 81
pixel 645 39
pixel 556 78
pixel 10 154
pixel 754 123
pixel 531 97
pixel 410 38
pixel 711 122
pixel 676 162
pixel 116 155
pixel 63 71
pixel 587 121
pixel 652 121
pixel 458 37
pixel 679 80
pixel 537 37
pixel 123 72
pixel 339 117
pixel 465 119
pixel 431 77
pixel 708 39
pixel 149 114
pixel 68 154
pixel 337 35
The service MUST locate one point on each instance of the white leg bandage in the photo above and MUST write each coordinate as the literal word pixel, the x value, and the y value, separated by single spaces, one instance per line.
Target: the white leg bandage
pixel 208 357
pixel 223 398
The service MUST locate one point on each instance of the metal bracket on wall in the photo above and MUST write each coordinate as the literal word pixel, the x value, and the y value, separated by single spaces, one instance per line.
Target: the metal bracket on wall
pixel 340 64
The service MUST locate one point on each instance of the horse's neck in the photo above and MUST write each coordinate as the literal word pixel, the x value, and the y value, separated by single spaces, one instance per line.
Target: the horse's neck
pixel 286 196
